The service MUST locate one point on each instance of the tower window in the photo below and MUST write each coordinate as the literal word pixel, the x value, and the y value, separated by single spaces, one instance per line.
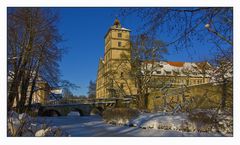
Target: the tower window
pixel 168 72
pixel 119 44
pixel 119 35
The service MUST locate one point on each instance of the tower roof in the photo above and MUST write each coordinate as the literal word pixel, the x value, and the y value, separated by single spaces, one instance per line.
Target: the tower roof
pixel 116 26
pixel 116 22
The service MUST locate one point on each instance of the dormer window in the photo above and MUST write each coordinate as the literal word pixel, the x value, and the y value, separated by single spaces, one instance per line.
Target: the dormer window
pixel 194 73
pixel 160 65
pixel 176 72
pixel 168 72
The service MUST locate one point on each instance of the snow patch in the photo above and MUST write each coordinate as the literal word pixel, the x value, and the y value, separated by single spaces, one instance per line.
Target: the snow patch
pixel 73 113
pixel 182 122
pixel 25 125
pixel 162 121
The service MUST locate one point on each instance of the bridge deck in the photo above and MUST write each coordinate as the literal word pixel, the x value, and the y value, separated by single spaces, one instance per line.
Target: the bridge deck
pixel 88 101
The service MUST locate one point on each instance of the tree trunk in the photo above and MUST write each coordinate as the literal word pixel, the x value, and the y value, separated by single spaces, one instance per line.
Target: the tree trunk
pixel 141 102
pixel 13 91
pixel 24 90
pixel 32 91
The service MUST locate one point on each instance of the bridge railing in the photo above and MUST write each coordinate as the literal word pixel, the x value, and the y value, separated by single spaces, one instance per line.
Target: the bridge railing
pixel 88 101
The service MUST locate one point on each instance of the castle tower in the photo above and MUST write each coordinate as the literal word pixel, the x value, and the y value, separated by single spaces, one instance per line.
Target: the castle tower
pixel 113 68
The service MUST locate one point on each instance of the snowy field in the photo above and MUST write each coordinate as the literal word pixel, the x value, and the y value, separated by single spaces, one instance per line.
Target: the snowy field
pixel 94 126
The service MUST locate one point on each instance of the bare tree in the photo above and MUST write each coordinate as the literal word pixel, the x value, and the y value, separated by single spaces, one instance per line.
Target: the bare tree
pixel 145 53
pixel 67 86
pixel 186 25
pixel 33 52
pixel 92 89
pixel 210 25
pixel 67 93
pixel 223 76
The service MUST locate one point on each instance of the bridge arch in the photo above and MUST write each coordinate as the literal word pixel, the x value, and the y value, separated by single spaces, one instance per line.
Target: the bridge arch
pixel 51 112
pixel 96 111
pixel 76 110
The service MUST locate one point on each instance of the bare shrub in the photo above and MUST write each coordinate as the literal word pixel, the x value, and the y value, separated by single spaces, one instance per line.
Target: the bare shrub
pixel 212 121
pixel 205 122
pixel 24 125
pixel 120 116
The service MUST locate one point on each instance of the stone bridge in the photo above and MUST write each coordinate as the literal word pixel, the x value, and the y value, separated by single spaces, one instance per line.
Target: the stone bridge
pixel 82 106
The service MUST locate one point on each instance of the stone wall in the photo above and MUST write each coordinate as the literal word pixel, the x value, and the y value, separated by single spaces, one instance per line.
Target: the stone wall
pixel 204 96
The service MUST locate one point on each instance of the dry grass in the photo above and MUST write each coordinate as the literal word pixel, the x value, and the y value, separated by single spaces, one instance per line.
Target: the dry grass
pixel 120 115
pixel 202 117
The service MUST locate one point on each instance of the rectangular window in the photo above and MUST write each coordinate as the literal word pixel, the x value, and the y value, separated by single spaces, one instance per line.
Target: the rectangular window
pixel 119 35
pixel 168 72
pixel 119 44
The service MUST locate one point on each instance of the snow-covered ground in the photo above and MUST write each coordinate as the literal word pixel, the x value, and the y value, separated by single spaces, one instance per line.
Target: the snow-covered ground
pixel 182 122
pixel 89 126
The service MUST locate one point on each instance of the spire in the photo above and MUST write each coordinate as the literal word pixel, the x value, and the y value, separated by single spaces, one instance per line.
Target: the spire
pixel 117 23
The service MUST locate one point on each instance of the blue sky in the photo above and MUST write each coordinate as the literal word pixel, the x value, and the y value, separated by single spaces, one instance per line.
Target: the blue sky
pixel 83 30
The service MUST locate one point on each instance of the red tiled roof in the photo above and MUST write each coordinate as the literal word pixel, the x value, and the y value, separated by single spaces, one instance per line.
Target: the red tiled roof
pixel 177 64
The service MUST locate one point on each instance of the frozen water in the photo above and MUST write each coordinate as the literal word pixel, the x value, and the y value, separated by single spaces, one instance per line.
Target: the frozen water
pixel 95 126
pixel 73 113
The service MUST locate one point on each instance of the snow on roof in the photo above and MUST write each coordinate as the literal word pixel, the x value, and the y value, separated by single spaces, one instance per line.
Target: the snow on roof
pixel 124 29
pixel 57 91
pixel 171 68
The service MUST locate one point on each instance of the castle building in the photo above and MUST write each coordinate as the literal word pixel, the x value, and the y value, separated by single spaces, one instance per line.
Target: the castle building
pixel 112 76
pixel 42 94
